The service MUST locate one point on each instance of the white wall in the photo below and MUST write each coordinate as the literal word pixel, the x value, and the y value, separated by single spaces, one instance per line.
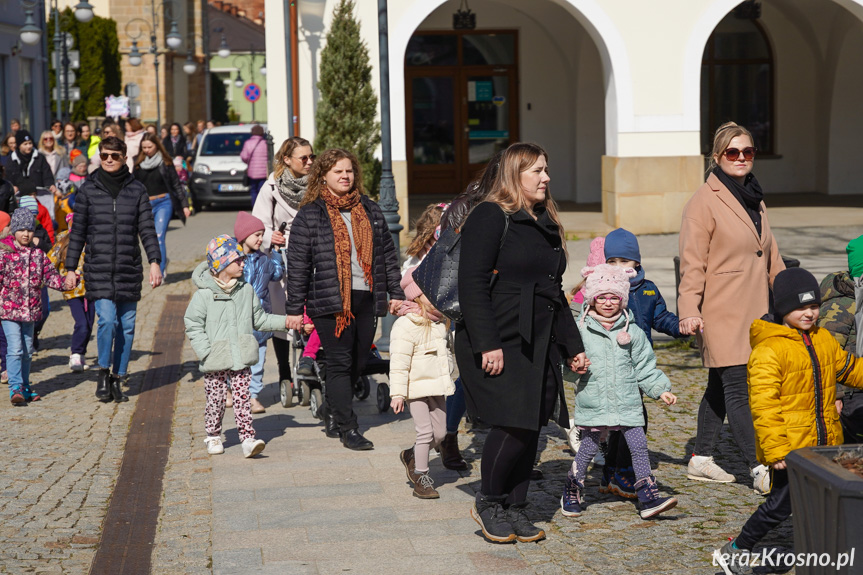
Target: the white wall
pixel 845 175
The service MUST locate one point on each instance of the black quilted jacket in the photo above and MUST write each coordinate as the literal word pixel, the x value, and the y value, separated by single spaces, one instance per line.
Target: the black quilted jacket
pixel 312 277
pixel 110 229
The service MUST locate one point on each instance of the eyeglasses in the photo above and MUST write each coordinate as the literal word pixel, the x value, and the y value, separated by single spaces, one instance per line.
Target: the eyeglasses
pixel 305 159
pixel 48 139
pixel 732 154
pixel 116 156
pixel 607 298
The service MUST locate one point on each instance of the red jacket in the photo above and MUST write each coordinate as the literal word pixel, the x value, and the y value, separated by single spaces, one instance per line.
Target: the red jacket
pixel 45 219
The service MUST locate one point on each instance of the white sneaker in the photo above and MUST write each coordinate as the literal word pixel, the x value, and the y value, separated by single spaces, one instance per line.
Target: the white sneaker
pixel 75 363
pixel 252 446
pixel 573 436
pixel 214 445
pixel 702 468
pixel 760 479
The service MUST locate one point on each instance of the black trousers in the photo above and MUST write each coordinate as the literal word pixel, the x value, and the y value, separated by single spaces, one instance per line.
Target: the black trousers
pixel 282 347
pixel 509 452
pixel 727 394
pixel 346 356
pixel 775 509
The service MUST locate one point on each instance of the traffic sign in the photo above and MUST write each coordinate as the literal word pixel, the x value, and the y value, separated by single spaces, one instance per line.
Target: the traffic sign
pixel 74 94
pixel 74 59
pixel 252 93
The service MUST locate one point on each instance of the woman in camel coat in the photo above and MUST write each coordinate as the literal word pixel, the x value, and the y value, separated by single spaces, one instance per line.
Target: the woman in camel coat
pixel 728 259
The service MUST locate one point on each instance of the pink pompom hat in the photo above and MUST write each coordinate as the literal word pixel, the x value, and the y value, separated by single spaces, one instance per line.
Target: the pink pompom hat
pixel 614 280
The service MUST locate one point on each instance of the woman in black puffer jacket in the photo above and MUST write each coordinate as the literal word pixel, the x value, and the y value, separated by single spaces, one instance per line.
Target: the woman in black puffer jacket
pixel 342 263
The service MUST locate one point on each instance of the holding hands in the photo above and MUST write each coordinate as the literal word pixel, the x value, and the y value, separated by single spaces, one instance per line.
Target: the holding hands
pixel 691 325
pixel 294 322
pixel 71 281
pixel 579 363
pixel 395 304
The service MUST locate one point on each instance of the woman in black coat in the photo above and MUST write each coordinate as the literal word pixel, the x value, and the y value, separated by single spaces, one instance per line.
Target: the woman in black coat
pixel 515 334
pixel 342 262
pixel 175 142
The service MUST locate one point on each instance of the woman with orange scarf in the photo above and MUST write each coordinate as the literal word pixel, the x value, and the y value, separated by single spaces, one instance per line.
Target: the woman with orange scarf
pixel 342 263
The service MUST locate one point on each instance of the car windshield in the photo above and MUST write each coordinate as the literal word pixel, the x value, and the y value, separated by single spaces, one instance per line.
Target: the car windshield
pixel 224 144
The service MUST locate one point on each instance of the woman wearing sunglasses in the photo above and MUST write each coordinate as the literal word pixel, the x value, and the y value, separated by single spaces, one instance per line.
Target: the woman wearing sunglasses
pixel 54 154
pixel 277 203
pixel 728 259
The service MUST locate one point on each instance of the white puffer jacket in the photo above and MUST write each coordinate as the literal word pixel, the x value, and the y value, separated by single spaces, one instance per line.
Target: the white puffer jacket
pixel 421 362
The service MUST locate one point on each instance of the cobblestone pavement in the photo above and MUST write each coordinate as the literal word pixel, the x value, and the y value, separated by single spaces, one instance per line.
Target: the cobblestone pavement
pixel 307 505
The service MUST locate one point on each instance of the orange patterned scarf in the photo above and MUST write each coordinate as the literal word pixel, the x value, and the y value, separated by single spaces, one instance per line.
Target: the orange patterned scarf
pixel 362 232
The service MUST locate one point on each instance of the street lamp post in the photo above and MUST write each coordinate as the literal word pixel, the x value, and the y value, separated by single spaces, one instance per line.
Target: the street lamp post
pixel 388 201
pixel 173 40
pixel 239 82
pixel 224 51
pixel 30 33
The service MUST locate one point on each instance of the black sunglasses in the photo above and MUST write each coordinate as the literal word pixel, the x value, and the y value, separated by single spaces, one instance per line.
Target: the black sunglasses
pixel 116 156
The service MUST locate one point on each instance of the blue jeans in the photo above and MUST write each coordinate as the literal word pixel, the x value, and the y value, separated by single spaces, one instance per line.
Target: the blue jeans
pixel 19 351
pixel 163 209
pixel 255 186
pixel 257 383
pixel 113 343
pixel 455 408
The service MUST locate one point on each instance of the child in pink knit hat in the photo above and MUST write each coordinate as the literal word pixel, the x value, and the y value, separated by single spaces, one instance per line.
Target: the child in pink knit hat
pixel 607 396
pixel 594 258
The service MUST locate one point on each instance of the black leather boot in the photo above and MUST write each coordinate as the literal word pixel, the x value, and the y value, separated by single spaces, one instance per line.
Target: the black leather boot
pixel 330 426
pixel 353 439
pixel 116 391
pixel 103 383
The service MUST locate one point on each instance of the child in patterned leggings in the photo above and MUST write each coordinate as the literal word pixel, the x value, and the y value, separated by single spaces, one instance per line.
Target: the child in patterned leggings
pixel 220 323
pixel 607 396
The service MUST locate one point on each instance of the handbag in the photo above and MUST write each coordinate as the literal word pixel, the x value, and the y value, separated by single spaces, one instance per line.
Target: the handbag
pixel 437 274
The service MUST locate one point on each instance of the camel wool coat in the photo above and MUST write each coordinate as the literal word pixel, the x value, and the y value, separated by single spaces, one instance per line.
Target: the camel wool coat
pixel 726 272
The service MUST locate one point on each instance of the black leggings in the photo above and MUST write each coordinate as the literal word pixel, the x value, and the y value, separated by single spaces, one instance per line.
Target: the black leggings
pixel 509 453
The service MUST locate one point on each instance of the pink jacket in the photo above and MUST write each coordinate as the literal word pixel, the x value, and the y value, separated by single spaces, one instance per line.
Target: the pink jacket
pixel 23 272
pixel 254 153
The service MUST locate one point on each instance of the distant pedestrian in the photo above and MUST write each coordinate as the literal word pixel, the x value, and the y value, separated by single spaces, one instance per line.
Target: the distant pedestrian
pixel 27 163
pixel 7 146
pixel 24 269
pixel 421 367
pixel 89 141
pixel 191 142
pixel 71 140
pixel 134 135
pixel 175 142
pixel 262 269
pixel 254 154
pixel 112 211
pixel 220 323
pixel 55 155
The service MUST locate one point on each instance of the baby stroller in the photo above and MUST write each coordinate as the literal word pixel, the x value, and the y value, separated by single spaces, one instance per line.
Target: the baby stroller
pixel 309 389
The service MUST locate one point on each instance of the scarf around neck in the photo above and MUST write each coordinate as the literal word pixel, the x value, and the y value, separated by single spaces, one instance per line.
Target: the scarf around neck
pixel 292 189
pixel 749 194
pixel 150 162
pixel 363 240
pixel 114 181
pixel 227 286
pixel 606 322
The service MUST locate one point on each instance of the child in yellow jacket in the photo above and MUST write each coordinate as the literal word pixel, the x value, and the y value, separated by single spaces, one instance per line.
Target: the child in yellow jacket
pixel 792 372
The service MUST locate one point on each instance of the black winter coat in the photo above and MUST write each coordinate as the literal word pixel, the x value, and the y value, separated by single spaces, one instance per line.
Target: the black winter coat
pixel 312 275
pixel 172 186
pixel 7 197
pixel 524 313
pixel 110 229
pixel 177 150
pixel 38 170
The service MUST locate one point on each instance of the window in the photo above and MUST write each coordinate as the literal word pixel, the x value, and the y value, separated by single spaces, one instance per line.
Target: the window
pixel 224 144
pixel 737 82
pixel 482 48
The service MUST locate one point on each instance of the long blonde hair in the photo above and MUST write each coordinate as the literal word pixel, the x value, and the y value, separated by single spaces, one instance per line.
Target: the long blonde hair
pixel 722 138
pixel 287 149
pixel 323 164
pixel 507 192
pixel 425 225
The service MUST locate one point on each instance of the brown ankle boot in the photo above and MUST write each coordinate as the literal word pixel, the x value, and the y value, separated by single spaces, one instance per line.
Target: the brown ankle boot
pixel 407 459
pixel 424 487
pixel 450 454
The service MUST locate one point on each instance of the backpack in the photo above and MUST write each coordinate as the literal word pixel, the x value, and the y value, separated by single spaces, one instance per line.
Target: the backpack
pixel 437 274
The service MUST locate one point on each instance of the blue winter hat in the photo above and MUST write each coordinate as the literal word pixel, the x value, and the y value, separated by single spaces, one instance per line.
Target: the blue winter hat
pixel 30 203
pixel 22 219
pixel 622 243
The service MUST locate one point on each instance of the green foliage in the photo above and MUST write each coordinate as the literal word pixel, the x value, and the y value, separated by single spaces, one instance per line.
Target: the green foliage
pixel 218 99
pixel 345 117
pixel 99 75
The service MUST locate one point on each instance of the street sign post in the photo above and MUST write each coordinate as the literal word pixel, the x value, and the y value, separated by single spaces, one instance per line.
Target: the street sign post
pixel 252 93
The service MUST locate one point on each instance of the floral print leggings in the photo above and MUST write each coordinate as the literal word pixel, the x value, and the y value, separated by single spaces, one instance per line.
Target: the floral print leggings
pixel 216 386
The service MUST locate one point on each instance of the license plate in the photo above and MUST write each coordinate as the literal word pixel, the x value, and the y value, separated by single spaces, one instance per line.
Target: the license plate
pixel 233 188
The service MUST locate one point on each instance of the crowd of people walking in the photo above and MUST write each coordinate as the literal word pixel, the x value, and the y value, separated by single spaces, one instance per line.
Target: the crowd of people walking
pixel 315 256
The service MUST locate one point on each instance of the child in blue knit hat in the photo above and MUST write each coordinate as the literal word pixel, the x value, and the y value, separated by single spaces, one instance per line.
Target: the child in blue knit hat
pixel 221 321
pixel 650 311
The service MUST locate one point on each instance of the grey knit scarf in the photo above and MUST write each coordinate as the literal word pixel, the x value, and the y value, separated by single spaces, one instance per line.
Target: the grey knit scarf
pixel 150 162
pixel 292 189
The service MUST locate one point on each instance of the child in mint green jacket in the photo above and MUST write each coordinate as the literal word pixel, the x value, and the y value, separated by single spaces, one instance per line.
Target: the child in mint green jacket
pixel 220 323
pixel 607 396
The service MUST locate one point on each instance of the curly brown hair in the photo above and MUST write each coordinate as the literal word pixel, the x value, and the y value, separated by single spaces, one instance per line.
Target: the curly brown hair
pixel 323 164
pixel 426 225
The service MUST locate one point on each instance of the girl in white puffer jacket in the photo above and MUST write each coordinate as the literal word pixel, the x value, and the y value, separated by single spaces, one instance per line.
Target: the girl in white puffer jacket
pixel 421 367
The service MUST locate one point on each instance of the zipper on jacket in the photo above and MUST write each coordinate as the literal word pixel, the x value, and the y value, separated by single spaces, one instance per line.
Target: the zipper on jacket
pixel 820 424
pixel 114 258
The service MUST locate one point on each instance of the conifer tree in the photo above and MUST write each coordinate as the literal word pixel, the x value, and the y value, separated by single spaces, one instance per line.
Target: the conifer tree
pixel 345 117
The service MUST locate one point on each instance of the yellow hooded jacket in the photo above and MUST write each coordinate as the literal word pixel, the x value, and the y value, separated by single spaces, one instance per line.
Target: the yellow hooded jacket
pixel 792 388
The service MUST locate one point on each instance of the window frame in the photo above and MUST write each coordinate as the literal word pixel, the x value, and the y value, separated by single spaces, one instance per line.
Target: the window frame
pixel 708 64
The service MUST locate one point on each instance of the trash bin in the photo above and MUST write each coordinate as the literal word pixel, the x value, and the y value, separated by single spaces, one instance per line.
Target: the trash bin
pixel 827 504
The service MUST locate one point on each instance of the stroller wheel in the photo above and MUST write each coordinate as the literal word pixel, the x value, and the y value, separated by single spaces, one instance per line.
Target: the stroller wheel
pixel 362 388
pixel 305 394
pixel 316 401
pixel 383 397
pixel 286 393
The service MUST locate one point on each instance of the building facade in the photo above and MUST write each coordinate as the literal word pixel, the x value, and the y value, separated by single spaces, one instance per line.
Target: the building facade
pixel 23 92
pixel 624 94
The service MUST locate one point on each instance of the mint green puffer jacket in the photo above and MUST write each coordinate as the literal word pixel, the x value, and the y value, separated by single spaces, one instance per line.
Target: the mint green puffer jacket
pixel 607 394
pixel 221 326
